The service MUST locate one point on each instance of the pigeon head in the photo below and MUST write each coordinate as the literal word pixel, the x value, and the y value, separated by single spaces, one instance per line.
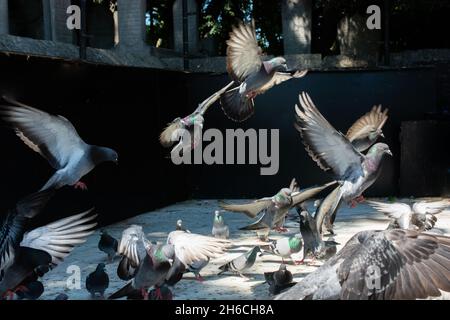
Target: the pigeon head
pixel 282 267
pixel 104 154
pixel 374 133
pixel 278 64
pixel 217 216
pixel 380 149
pixel 179 223
pixel 283 197
pixel 100 267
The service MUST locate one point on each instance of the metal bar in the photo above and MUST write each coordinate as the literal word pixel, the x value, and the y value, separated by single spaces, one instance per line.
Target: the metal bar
pixel 185 36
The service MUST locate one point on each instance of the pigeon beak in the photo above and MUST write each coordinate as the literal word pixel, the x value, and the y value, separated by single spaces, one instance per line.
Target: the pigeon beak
pixel 389 152
pixel 382 135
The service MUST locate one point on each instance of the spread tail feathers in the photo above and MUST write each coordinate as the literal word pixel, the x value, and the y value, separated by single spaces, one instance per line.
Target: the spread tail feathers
pixel 237 107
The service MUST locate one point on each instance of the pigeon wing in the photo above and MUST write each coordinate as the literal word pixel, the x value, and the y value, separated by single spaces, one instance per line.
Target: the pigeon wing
pixel 250 209
pixel 375 119
pixel 191 247
pixel 396 264
pixel 280 77
pixel 243 52
pixel 59 238
pixel 329 148
pixel 305 194
pixel 431 207
pixel 53 137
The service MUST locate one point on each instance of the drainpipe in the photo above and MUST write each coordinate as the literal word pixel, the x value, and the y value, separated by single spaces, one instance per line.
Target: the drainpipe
pixel 185 36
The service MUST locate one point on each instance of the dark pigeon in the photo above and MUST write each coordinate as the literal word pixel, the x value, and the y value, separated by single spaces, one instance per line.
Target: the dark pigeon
pixel 279 280
pixel 380 265
pixel 57 140
pixel 108 245
pixel 43 246
pixel 62 296
pixel 97 282
pixel 242 263
pixel 253 75
pixel 30 291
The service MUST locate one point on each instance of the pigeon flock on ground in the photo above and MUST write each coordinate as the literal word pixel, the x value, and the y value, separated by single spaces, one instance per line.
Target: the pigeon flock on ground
pixel 405 261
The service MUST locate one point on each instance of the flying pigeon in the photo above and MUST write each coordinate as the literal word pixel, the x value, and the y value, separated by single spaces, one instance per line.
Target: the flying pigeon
pixel 242 263
pixel 419 217
pixel 331 150
pixel 57 140
pixel 275 208
pixel 108 245
pixel 279 280
pixel 188 130
pixel 253 75
pixel 285 247
pixel 313 244
pixel 97 282
pixel 366 130
pixel 380 265
pixel 47 245
pixel 220 229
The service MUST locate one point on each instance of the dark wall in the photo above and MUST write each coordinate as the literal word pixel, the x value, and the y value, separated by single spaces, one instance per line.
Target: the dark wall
pixel 342 97
pixel 126 109
pixel 123 108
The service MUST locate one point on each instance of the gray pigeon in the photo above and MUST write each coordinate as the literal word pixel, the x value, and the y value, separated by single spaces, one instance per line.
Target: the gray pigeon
pixel 97 282
pixel 380 265
pixel 274 208
pixel 279 280
pixel 22 253
pixel 419 217
pixel 188 130
pixel 331 150
pixel 313 244
pixel 242 263
pixel 285 247
pixel 153 261
pixel 108 245
pixel 62 296
pixel 220 229
pixel 366 130
pixel 57 140
pixel 246 66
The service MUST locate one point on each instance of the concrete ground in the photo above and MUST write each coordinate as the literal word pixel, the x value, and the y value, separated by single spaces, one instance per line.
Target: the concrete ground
pixel 197 216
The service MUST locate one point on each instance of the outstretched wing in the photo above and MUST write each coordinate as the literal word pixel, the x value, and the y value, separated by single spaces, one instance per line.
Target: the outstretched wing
pixel 53 137
pixel 250 209
pixel 375 119
pixel 129 245
pixel 305 194
pixel 280 77
pixel 392 210
pixel 396 264
pixel 432 207
pixel 243 52
pixel 59 238
pixel 329 148
pixel 191 247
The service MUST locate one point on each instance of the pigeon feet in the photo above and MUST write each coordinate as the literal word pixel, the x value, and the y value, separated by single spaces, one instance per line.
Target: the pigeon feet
pixel 281 229
pixel 158 293
pixel 144 293
pixel 299 262
pixel 8 295
pixel 199 278
pixel 80 185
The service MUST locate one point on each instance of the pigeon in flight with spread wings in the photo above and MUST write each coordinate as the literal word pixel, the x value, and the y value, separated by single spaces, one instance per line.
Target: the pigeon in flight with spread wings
pixel 366 130
pixel 188 130
pixel 380 265
pixel 57 140
pixel 22 252
pixel 255 76
pixel 274 208
pixel 419 217
pixel 332 151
